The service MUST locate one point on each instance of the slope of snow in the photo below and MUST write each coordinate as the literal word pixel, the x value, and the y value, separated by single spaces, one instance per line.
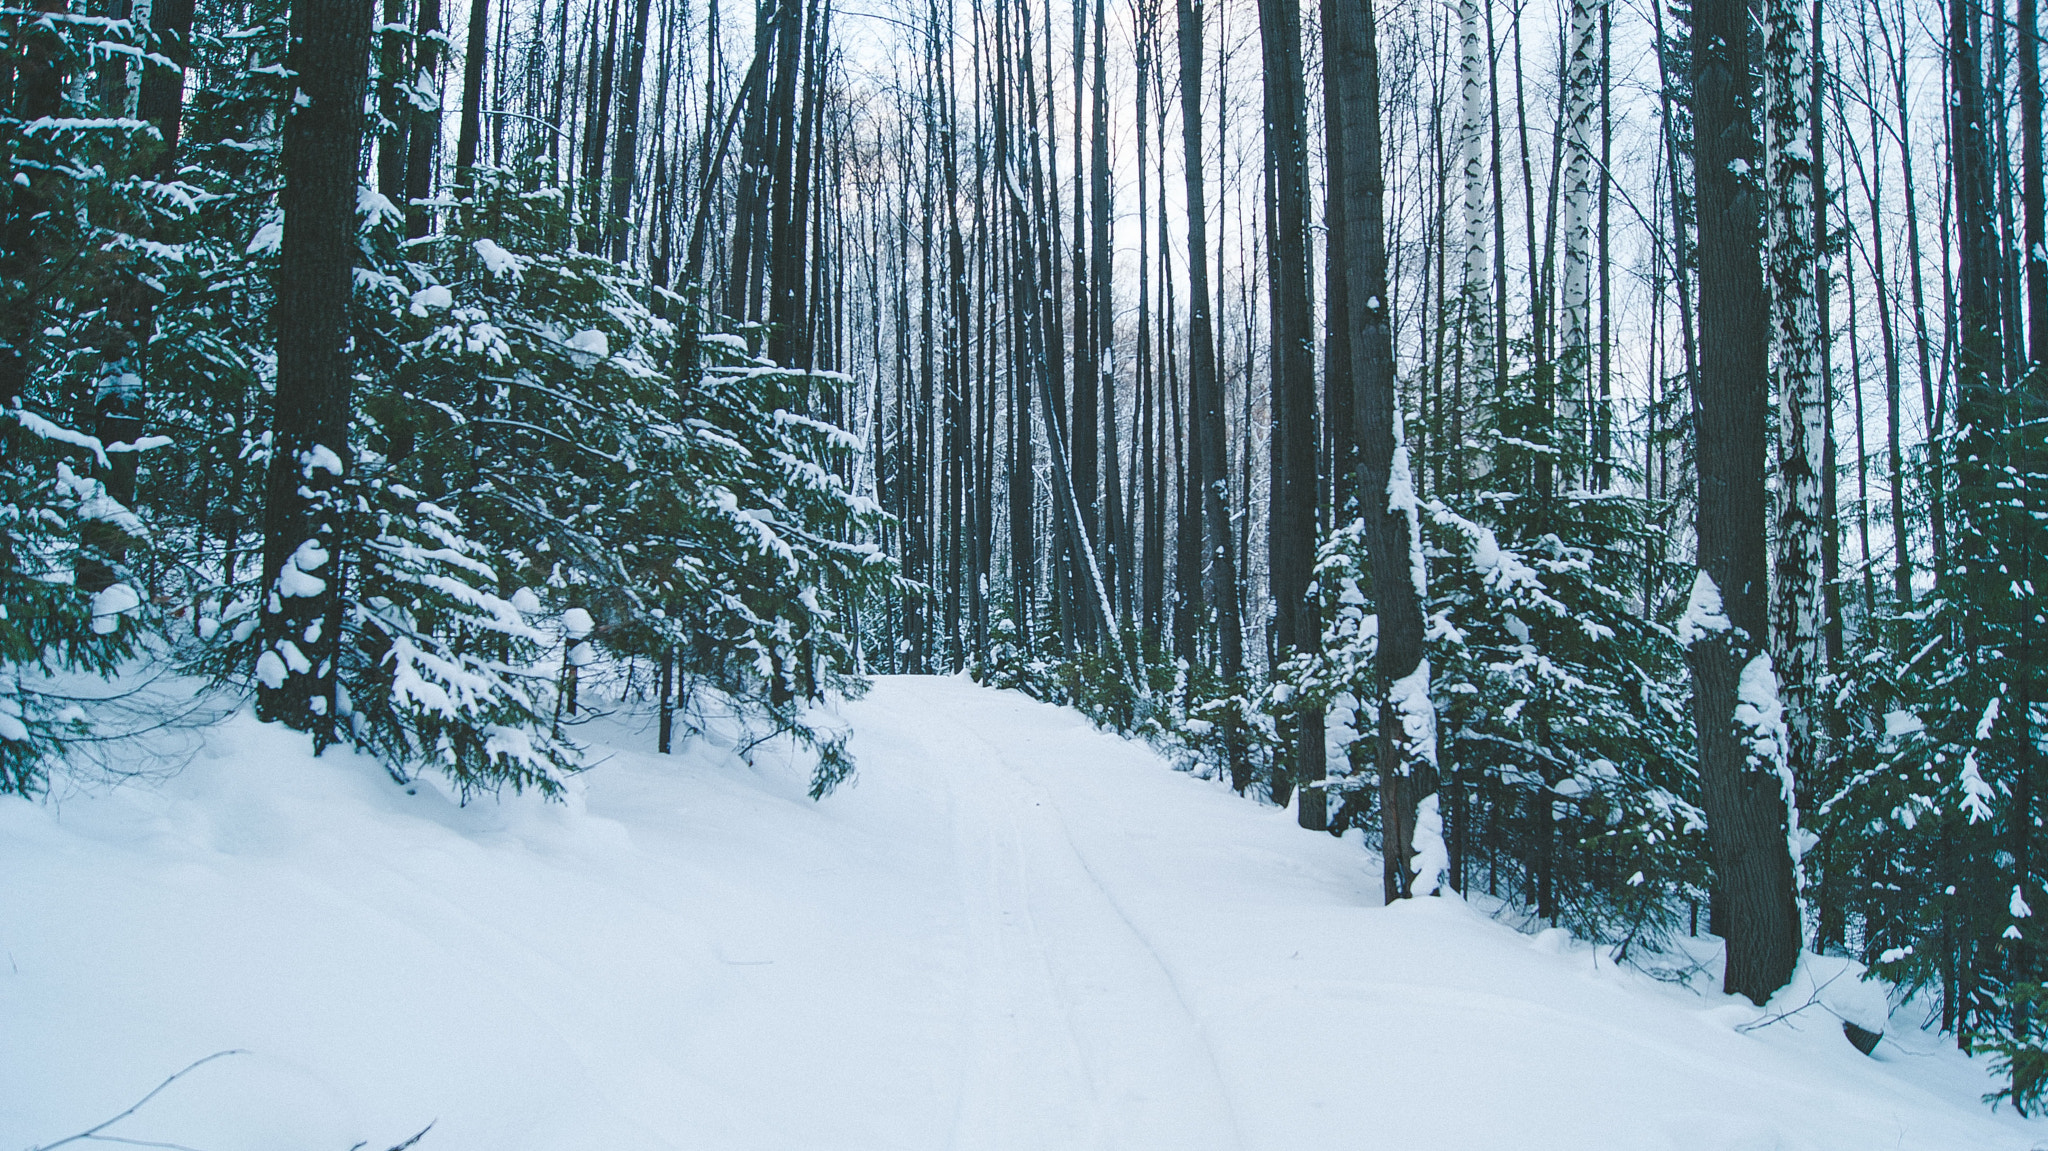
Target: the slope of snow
pixel 1013 931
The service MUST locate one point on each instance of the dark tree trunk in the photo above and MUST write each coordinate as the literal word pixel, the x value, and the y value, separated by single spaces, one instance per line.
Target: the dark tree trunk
pixel 391 104
pixel 1295 488
pixel 2030 182
pixel 423 140
pixel 38 91
pixel 471 131
pixel 119 405
pixel 1219 568
pixel 330 53
pixel 1102 338
pixel 626 155
pixel 1745 813
pixel 1340 418
pixel 162 97
pixel 1407 766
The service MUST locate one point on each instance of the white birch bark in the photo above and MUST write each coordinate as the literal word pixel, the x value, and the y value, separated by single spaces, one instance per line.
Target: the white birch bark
pixel 1575 287
pixel 1475 289
pixel 1795 357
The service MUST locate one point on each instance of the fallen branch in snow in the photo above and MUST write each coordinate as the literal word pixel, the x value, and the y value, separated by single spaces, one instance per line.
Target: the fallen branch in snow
pixel 93 1133
pixel 1813 1000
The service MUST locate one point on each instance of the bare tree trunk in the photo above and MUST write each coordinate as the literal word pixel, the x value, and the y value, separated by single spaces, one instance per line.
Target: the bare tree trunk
pixel 1407 743
pixel 471 132
pixel 2036 253
pixel 1295 487
pixel 1219 568
pixel 423 138
pixel 1744 798
pixel 301 623
pixel 1580 105
pixel 626 155
pixel 1793 265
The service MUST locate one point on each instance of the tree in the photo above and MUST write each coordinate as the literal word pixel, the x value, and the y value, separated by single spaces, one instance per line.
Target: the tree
pixel 1206 451
pixel 1745 784
pixel 309 447
pixel 1387 497
pixel 1795 365
pixel 1295 488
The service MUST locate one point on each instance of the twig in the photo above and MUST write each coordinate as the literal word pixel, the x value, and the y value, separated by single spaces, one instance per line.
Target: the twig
pixel 415 1139
pixel 1812 1000
pixel 94 1132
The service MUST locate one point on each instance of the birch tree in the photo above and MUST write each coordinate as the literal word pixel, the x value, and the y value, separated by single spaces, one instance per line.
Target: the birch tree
pixel 1795 367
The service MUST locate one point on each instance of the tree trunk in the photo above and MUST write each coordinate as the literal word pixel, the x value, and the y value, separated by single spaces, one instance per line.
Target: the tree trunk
pixel 471 131
pixel 2036 254
pixel 1795 355
pixel 626 156
pixel 1219 568
pixel 1744 800
pixel 423 141
pixel 1295 487
pixel 330 53
pixel 1407 742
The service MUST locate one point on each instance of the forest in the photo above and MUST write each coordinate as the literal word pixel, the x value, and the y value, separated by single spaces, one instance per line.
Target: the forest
pixel 1595 448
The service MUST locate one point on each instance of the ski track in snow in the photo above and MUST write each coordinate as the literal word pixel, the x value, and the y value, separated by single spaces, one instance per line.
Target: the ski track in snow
pixel 1013 932
pixel 1053 946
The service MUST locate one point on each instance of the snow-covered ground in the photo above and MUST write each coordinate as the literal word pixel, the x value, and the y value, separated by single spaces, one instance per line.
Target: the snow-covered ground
pixel 1013 931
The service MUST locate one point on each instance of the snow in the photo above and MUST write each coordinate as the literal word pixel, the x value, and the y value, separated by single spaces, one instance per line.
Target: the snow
pixel 1431 856
pixel 1899 724
pixel 1015 931
pixel 1703 613
pixel 591 342
pixel 1410 699
pixel 269 238
pixel 109 604
pixel 1977 793
pixel 433 297
pixel 1759 710
pixel 295 576
pixel 1830 985
pixel 497 261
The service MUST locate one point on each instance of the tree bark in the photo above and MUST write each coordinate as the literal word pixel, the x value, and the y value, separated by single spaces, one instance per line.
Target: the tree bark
pixel 1795 355
pixel 423 141
pixel 1407 739
pixel 626 155
pixel 301 623
pixel 1744 805
pixel 471 131
pixel 1295 488
pixel 1219 568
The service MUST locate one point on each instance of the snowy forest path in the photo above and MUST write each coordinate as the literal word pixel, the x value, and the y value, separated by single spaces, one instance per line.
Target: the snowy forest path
pixel 1013 931
pixel 1080 1034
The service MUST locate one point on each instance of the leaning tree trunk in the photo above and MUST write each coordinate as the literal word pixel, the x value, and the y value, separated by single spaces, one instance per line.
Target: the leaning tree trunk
pixel 1407 743
pixel 301 625
pixel 1744 795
